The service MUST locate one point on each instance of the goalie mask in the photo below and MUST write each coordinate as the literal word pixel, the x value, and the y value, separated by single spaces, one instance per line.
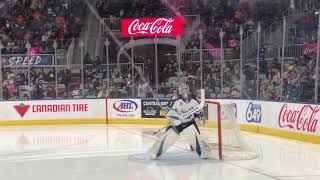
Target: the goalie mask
pixel 184 91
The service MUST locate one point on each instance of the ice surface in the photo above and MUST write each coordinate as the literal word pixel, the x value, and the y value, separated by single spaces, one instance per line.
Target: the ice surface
pixel 119 152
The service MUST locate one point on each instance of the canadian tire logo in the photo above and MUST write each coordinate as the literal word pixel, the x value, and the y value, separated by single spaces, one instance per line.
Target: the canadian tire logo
pixel 22 109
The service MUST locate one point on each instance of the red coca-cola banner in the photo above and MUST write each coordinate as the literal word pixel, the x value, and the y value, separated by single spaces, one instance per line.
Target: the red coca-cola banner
pixel 151 27
pixel 304 119
pixel 308 49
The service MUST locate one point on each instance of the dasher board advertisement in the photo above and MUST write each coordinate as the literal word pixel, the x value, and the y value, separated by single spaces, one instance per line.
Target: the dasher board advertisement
pixel 52 109
pixel 124 108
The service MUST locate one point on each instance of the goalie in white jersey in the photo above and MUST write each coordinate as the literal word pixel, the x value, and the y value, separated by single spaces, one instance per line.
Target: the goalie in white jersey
pixel 183 105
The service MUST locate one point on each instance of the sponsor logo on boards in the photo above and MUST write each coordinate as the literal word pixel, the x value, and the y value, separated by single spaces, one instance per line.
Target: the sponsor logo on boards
pixel 150 111
pixel 125 106
pixel 22 109
pixel 303 119
pixel 253 113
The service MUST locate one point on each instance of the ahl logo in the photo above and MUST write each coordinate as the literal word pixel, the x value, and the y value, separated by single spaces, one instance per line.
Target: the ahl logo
pixel 125 106
pixel 253 113
pixel 22 109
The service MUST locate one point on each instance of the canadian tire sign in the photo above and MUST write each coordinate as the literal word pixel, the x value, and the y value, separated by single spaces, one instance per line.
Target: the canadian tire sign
pixel 52 110
pixel 152 27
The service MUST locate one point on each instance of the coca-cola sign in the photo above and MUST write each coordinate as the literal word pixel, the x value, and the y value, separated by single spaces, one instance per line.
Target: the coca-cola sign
pixel 308 49
pixel 151 27
pixel 304 119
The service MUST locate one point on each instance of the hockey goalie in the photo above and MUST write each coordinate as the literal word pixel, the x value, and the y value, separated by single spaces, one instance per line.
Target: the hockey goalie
pixel 183 115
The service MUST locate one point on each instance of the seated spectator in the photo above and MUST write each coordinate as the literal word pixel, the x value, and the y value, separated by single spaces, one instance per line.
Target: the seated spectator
pixel 163 88
pixel 87 59
pixel 209 82
pixel 235 94
pixel 76 91
pixel 11 89
pixel 115 93
pixel 174 94
pixel 39 91
pixel 65 95
pixel 211 94
pixel 97 61
pixel 51 76
pixel 103 92
pixel 89 90
pixel 143 89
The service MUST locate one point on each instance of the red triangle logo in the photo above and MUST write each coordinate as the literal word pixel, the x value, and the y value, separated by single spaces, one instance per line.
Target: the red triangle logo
pixel 23 140
pixel 22 109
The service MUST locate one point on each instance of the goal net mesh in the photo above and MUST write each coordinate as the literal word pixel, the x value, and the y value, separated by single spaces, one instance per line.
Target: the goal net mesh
pixel 231 145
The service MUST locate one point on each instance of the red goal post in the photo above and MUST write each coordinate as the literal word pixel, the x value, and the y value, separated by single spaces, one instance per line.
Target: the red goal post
pixel 218 125
pixel 225 141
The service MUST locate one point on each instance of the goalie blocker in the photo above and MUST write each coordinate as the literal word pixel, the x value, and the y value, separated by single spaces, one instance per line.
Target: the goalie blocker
pixel 183 115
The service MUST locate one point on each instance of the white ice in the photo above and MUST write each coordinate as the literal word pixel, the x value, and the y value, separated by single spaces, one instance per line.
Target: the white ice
pixel 118 152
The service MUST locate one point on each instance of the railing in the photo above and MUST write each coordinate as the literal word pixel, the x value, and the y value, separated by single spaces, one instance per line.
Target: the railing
pixel 208 54
pixel 111 24
pixel 70 52
pixel 194 55
pixel 191 19
pixel 112 67
pixel 250 43
pixel 298 50
pixel 59 81
pixel 271 33
pixel 19 46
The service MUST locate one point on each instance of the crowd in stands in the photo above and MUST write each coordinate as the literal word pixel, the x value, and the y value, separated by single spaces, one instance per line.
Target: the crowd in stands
pixel 16 83
pixel 132 9
pixel 305 29
pixel 40 23
pixel 229 16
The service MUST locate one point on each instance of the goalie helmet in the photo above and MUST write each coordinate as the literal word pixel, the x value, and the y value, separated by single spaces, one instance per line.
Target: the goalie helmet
pixel 184 90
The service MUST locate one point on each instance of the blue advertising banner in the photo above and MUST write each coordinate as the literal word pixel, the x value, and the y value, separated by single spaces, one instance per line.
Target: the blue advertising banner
pixel 253 114
pixel 23 59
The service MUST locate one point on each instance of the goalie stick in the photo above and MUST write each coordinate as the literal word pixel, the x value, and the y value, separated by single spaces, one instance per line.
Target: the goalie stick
pixel 165 127
pixel 184 116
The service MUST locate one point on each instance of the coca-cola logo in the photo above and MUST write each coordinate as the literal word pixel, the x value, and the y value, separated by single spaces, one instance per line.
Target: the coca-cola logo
pixel 309 49
pixel 151 27
pixel 302 119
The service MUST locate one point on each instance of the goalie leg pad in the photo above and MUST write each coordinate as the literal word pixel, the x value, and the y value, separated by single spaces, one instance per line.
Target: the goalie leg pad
pixel 198 144
pixel 166 140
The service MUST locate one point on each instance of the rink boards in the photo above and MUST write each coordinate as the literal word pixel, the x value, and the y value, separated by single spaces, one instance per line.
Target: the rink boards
pixel 290 120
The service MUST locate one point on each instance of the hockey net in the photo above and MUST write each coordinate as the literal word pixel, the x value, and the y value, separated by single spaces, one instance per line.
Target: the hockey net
pixel 223 135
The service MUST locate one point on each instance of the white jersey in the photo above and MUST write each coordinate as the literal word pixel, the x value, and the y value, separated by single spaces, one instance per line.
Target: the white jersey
pixel 181 107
